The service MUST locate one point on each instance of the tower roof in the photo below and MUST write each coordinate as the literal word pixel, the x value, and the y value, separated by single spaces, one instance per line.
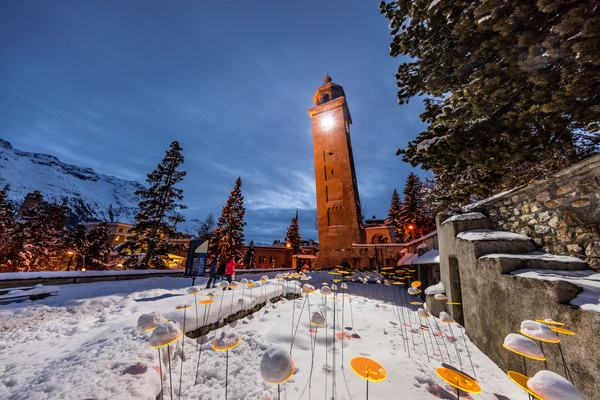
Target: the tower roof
pixel 328 92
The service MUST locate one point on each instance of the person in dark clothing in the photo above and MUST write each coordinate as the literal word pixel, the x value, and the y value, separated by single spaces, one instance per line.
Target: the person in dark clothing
pixel 213 267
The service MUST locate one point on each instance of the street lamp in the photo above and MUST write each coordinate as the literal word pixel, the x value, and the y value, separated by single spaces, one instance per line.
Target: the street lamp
pixel 72 254
pixel 327 122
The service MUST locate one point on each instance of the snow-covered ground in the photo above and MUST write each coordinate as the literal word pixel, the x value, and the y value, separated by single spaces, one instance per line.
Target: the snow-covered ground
pixel 83 344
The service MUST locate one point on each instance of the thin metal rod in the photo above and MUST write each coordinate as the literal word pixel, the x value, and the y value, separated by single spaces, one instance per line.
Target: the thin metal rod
pixel 161 374
pixel 469 354
pixel 226 371
pixel 182 353
pixel 170 379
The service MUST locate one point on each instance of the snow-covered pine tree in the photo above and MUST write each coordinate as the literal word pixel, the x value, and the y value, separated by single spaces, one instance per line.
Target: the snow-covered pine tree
pixel 7 228
pixel 293 237
pixel 156 221
pixel 414 216
pixel 393 217
pixel 228 238
pixel 40 238
pixel 249 256
pixel 512 88
pixel 93 246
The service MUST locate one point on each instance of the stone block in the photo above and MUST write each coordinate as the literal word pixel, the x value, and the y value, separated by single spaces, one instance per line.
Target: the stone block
pixel 515 199
pixel 544 216
pixel 574 248
pixel 593 250
pixel 554 203
pixel 537 241
pixel 532 222
pixel 543 197
pixel 554 221
pixel 565 189
pixel 542 229
pixel 580 203
pixel 525 208
pixel 593 263
pixel 535 207
pixel 589 185
pixel 516 212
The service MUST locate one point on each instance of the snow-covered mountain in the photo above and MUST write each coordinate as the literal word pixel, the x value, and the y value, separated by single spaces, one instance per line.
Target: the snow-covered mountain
pixel 88 194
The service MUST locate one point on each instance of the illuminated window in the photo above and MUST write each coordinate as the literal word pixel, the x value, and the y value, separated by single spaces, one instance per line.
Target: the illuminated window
pixel 117 238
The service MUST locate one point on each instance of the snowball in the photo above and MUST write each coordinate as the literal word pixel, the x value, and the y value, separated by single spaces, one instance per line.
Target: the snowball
pixel 344 285
pixel 184 306
pixel 308 287
pixel 325 291
pixel 523 345
pixel 244 281
pixel 438 288
pixel 423 313
pixel 413 290
pixel 318 319
pixel 276 366
pixel 165 333
pixel 445 317
pixel 440 297
pixel 224 284
pixel 193 290
pixel 551 386
pixel 233 284
pixel 334 287
pixel 226 341
pixel 264 278
pixel 147 322
pixel 538 331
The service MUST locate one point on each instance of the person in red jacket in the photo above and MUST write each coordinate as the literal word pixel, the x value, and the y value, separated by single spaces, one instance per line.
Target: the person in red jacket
pixel 230 267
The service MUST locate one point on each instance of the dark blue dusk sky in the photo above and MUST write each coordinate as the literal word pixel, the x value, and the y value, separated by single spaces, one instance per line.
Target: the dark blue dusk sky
pixel 109 84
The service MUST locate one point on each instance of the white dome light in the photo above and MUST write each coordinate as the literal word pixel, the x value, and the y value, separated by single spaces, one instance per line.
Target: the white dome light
pixel 327 122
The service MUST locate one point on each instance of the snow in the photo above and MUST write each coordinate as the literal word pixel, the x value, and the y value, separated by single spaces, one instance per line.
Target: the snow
pixel 523 345
pixel 433 4
pixel 588 280
pixel 407 259
pixel 472 206
pixel 165 333
pixel 7 276
pixel 438 288
pixel 147 322
pixel 422 246
pixel 551 386
pixel 276 365
pixel 427 143
pixel 536 255
pixel 37 290
pixel 487 234
pixel 431 257
pixel 318 318
pixel 465 217
pixel 445 317
pixel 84 344
pixel 539 331
pixel 482 19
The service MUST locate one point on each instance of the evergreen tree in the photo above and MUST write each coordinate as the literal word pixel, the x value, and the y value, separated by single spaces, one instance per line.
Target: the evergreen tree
pixel 393 217
pixel 293 237
pixel 40 238
pixel 514 87
pixel 206 228
pixel 7 229
pixel 92 246
pixel 249 256
pixel 156 221
pixel 228 238
pixel 413 216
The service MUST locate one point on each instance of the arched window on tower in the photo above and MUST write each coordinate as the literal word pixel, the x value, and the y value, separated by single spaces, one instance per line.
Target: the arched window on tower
pixel 325 97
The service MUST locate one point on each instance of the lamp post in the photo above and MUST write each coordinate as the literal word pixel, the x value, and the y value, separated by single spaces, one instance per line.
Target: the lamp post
pixel 72 254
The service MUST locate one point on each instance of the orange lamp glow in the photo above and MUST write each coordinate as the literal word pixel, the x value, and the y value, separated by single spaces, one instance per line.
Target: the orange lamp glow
pixel 416 284
pixel 220 347
pixel 565 331
pixel 209 301
pixel 549 321
pixel 453 303
pixel 522 354
pixel 286 379
pixel 522 380
pixel 541 340
pixel 168 343
pixel 212 295
pixel 368 369
pixel 416 303
pixel 458 380
pixel 184 306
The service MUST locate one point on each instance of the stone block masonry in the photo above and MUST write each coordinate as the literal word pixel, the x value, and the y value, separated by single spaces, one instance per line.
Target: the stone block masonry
pixel 561 213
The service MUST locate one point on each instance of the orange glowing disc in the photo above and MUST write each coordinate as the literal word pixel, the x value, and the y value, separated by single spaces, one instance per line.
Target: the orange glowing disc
pixel 217 347
pixel 336 280
pixel 453 303
pixel 416 303
pixel 549 321
pixel 522 380
pixel 458 380
pixel 368 369
pixel 521 354
pixel 168 343
pixel 212 295
pixel 184 306
pixel 541 340
pixel 565 331
pixel 416 284
pixel 206 301
pixel 250 284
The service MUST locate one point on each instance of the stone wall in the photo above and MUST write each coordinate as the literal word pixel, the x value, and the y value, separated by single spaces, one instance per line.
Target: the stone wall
pixel 560 213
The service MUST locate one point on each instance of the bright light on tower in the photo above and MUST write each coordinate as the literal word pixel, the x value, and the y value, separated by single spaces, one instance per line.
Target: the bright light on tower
pixel 327 122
